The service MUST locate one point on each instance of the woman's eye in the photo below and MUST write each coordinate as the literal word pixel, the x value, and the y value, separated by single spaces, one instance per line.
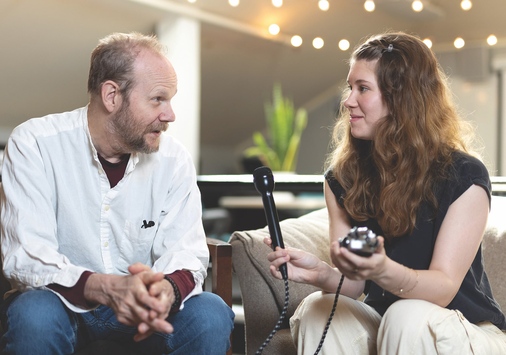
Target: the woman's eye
pixel 363 88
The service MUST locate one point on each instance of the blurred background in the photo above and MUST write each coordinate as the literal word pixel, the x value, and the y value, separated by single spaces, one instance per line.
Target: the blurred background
pixel 233 61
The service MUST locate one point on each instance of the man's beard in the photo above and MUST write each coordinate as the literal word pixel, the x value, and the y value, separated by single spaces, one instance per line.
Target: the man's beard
pixel 132 134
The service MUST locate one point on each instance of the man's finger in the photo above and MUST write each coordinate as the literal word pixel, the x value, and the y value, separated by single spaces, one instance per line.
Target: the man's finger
pixel 145 329
pixel 137 268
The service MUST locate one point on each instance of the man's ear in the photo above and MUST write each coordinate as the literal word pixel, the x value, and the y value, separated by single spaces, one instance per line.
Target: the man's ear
pixel 111 96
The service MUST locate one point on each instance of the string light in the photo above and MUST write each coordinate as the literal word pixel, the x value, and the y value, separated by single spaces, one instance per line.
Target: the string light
pixel 466 5
pixel 274 29
pixel 323 5
pixel 277 3
pixel 492 40
pixel 344 45
pixel 428 42
pixel 318 42
pixel 369 5
pixel 459 42
pixel 296 41
pixel 417 5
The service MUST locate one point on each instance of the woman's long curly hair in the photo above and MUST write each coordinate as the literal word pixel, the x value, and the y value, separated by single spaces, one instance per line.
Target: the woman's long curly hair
pixel 389 177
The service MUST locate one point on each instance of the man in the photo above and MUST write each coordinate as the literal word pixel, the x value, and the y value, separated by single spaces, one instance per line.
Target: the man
pixel 101 225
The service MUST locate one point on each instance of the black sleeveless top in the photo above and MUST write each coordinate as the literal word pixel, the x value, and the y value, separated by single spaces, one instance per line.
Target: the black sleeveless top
pixel 474 298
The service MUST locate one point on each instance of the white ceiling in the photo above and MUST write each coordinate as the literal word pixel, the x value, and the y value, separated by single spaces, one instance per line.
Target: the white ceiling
pixel 45 48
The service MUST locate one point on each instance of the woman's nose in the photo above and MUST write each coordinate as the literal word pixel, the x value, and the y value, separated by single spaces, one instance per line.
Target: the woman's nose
pixel 350 101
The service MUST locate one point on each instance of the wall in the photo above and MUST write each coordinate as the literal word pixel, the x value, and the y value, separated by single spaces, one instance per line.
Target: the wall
pixel 477 102
pixel 474 84
pixel 313 148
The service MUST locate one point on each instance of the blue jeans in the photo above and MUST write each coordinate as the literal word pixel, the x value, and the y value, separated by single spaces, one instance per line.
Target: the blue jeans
pixel 37 322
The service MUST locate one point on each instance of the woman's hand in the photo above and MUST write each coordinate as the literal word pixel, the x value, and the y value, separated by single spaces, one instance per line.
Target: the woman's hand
pixel 302 266
pixel 356 267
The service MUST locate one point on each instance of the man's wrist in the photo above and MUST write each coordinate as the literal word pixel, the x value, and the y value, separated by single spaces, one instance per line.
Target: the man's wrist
pixel 75 294
pixel 177 295
pixel 94 289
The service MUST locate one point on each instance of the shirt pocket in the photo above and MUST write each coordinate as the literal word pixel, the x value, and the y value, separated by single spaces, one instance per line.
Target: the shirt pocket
pixel 138 238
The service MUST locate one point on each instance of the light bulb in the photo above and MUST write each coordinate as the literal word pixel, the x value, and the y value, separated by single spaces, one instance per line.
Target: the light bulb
pixel 318 42
pixel 233 3
pixel 274 29
pixel 296 41
pixel 277 3
pixel 417 5
pixel 344 45
pixel 492 40
pixel 466 5
pixel 323 5
pixel 428 42
pixel 369 5
pixel 459 42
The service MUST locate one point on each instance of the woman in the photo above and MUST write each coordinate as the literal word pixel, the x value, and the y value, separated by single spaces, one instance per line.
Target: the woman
pixel 402 167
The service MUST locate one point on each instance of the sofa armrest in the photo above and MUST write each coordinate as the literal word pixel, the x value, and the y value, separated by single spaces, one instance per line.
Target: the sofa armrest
pixel 494 248
pixel 221 270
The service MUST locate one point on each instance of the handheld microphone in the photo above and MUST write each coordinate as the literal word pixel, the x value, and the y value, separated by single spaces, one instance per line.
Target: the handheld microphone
pixel 264 183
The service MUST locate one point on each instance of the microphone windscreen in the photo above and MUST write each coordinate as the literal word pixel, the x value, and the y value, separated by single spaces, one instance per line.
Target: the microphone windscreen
pixel 263 179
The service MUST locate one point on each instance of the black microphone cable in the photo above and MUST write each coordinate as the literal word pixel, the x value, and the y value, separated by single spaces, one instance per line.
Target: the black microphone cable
pixel 280 319
pixel 338 291
pixel 283 314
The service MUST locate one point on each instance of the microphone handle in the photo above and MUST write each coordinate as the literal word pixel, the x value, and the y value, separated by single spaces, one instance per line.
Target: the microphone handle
pixel 271 216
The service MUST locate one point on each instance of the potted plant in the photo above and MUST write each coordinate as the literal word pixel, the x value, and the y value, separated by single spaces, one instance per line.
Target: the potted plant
pixel 280 147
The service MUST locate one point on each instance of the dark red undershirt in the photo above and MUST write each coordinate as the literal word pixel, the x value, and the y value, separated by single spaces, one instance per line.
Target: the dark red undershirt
pixel 75 294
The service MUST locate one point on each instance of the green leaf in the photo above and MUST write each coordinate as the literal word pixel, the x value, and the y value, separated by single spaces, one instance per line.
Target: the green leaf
pixel 280 148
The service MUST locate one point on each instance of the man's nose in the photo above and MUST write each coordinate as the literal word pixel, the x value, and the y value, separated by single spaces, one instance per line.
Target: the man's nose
pixel 167 115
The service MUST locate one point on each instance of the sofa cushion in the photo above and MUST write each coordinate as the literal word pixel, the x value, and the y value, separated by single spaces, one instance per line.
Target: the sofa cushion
pixel 309 232
pixel 494 249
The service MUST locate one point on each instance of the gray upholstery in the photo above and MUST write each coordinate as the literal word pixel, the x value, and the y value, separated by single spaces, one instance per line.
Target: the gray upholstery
pixel 494 249
pixel 263 296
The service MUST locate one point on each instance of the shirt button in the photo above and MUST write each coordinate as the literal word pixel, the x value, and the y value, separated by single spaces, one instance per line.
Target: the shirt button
pixel 107 207
pixel 106 244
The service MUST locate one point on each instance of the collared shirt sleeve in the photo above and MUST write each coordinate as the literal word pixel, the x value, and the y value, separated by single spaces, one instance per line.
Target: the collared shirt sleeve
pixel 30 248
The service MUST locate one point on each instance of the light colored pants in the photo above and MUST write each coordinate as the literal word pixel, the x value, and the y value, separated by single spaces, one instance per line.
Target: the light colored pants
pixel 408 327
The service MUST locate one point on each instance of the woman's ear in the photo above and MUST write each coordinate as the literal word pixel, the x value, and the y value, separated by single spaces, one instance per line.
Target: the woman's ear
pixel 111 96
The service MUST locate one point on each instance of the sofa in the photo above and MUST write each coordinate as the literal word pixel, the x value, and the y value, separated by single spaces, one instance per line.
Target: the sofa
pixel 263 296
